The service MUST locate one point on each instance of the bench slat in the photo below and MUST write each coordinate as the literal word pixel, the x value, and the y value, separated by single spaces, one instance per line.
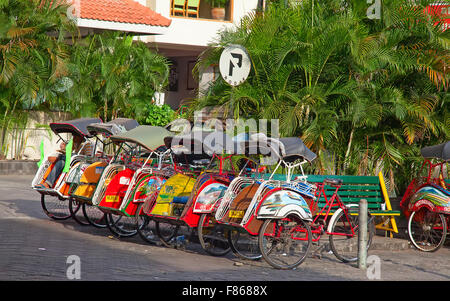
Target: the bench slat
pixel 345 179
pixel 369 205
pixel 354 187
pixel 386 212
pixel 345 193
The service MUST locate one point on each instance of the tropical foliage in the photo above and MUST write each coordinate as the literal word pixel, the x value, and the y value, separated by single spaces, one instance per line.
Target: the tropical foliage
pixel 32 57
pixel 217 3
pixel 157 115
pixel 364 94
pixel 114 76
pixel 46 65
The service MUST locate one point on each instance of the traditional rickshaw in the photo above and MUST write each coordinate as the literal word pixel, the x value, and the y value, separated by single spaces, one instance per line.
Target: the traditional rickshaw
pixel 54 170
pixel 426 202
pixel 190 197
pixel 145 155
pixel 91 168
pixel 270 218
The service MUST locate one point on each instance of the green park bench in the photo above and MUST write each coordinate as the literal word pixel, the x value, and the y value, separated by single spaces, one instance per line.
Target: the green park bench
pixel 355 188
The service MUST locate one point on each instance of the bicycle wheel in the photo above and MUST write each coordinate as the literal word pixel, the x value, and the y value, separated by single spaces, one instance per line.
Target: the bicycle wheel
pixel 166 232
pixel 285 243
pixel 120 225
pixel 212 236
pixel 55 207
pixel 427 230
pixel 244 245
pixel 343 236
pixel 145 226
pixel 94 215
pixel 75 208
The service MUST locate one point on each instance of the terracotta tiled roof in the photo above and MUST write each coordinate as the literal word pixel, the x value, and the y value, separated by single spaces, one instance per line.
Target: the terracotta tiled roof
pixel 123 11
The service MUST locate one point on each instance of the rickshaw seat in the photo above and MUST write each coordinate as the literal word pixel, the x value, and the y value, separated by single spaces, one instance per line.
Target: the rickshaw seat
pixel 180 199
pixel 440 188
pixel 241 203
pixel 333 181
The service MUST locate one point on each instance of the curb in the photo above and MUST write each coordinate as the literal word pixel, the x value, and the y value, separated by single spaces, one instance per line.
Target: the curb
pixel 390 244
pixel 16 167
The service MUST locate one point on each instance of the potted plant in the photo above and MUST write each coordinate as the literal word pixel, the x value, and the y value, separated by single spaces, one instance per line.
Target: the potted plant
pixel 218 9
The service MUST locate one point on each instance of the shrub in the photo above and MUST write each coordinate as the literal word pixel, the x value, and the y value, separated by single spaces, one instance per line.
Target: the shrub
pixel 158 115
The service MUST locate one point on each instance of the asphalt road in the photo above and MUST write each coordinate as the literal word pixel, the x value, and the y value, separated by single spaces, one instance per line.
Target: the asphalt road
pixel 34 247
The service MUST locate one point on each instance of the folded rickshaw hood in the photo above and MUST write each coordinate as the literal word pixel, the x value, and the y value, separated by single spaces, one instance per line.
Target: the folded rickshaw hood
pixel 149 137
pixel 113 127
pixel 75 127
pixel 440 151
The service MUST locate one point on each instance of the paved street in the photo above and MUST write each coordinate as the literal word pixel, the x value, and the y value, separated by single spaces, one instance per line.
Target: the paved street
pixel 34 247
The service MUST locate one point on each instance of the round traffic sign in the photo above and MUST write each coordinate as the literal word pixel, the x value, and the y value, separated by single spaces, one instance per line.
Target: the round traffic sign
pixel 235 64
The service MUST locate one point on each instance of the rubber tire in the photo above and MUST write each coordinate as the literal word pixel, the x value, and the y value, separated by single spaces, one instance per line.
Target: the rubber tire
pixel 444 233
pixel 140 227
pixel 74 212
pixel 51 215
pixel 117 232
pixel 166 239
pixel 371 230
pixel 203 243
pixel 235 250
pixel 266 256
pixel 101 223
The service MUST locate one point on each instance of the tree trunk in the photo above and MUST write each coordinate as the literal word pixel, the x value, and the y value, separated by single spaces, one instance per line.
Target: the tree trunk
pixel 347 153
pixel 105 110
pixel 3 131
pixel 6 122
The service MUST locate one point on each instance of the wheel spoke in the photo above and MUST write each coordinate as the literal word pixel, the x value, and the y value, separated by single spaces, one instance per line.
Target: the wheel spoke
pixel 427 230
pixel 287 243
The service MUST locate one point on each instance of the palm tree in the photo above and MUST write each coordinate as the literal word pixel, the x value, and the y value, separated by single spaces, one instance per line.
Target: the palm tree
pixel 33 54
pixel 115 76
pixel 358 91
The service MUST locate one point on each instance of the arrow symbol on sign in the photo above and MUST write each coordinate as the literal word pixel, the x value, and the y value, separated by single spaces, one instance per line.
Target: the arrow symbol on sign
pixel 230 72
pixel 238 56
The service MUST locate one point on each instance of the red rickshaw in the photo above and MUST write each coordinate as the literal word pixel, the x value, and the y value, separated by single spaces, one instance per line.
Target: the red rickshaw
pixel 426 202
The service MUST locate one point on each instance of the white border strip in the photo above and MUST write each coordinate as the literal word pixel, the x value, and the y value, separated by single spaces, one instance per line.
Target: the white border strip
pixel 128 27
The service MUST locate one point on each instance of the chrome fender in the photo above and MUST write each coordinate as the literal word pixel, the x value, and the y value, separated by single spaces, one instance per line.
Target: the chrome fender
pixel 282 203
pixel 333 218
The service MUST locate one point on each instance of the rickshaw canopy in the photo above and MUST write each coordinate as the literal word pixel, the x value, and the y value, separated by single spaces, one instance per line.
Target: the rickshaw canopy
pixel 205 142
pixel 179 126
pixel 440 151
pixel 113 127
pixel 149 137
pixel 76 127
pixel 289 148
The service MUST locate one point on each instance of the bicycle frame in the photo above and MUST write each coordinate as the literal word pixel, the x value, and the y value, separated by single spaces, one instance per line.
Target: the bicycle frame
pixel 333 202
pixel 273 199
pixel 202 193
pixel 427 191
pixel 121 202
pixel 61 187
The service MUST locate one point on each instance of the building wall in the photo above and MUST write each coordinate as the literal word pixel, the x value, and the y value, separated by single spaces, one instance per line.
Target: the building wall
pixel 186 38
pixel 32 135
pixel 183 92
pixel 190 31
